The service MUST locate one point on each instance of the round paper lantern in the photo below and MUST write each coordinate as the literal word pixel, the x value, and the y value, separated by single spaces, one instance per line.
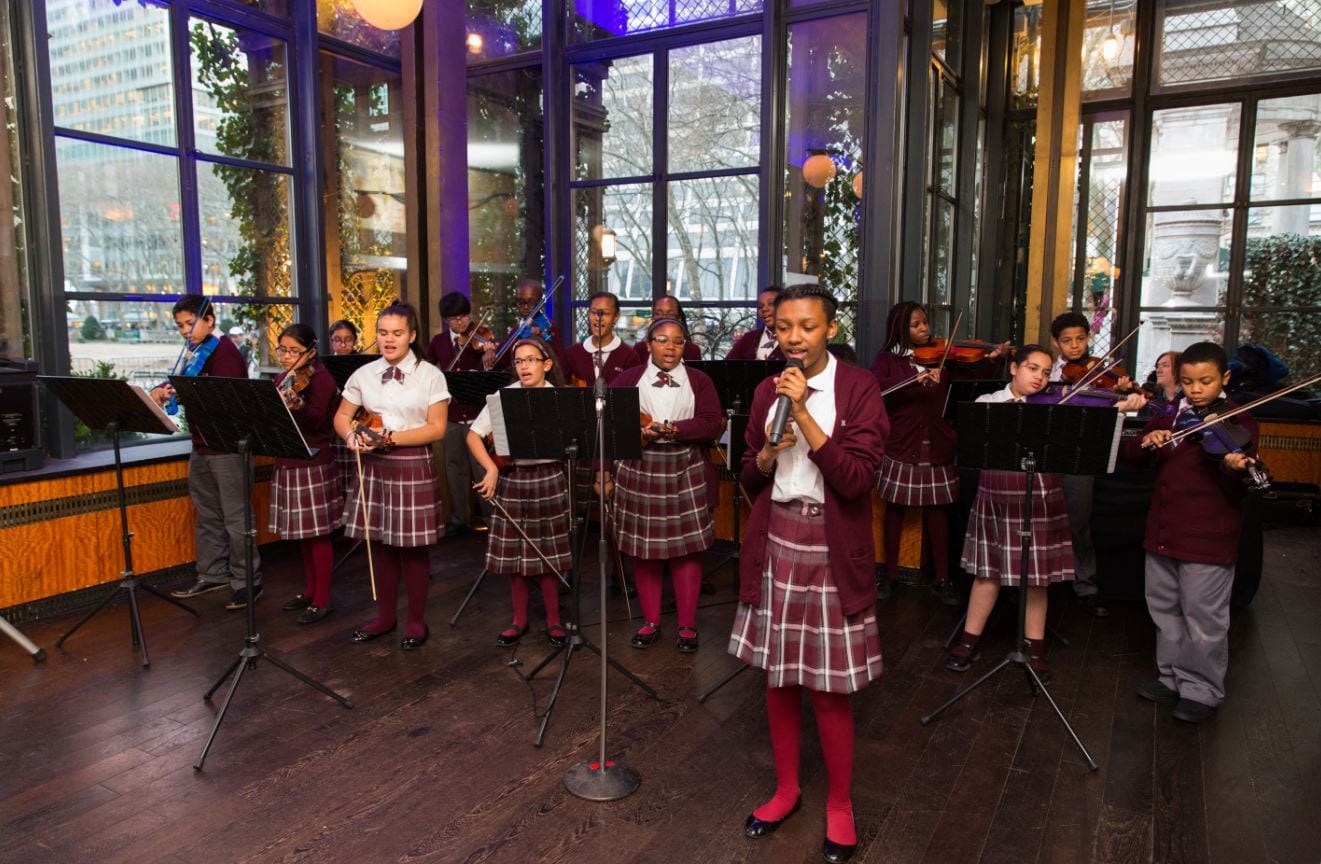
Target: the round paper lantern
pixel 857 184
pixel 363 206
pixel 388 14
pixel 819 170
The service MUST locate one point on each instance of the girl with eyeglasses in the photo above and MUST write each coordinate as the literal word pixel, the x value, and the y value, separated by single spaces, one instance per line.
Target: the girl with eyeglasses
pixel 663 501
pixel 533 494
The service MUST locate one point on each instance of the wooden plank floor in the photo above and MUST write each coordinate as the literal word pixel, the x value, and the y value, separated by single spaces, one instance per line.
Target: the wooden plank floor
pixel 435 764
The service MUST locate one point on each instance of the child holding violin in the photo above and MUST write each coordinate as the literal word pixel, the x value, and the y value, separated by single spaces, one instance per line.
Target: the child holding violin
pixel 462 346
pixel 404 403
pixel 918 467
pixel 807 596
pixel 306 500
pixel 1071 332
pixel 534 495
pixel 663 501
pixel 215 480
pixel 1192 534
pixel 991 547
pixel 580 358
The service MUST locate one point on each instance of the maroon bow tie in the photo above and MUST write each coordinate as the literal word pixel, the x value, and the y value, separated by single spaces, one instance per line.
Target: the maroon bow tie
pixel 392 372
pixel 664 379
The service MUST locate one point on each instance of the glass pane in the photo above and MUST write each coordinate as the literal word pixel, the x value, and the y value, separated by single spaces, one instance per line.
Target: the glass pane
pixel 1025 60
pixel 119 215
pixel 1102 212
pixel 1174 331
pixel 365 221
pixel 239 93
pixel 110 69
pixel 261 325
pixel 270 7
pixel 601 19
pixel 946 131
pixel 612 118
pixel 826 113
pixel 505 188
pixel 715 328
pixel 946 31
pixel 939 280
pixel 339 19
pixel 625 210
pixel 15 332
pixel 1226 39
pixel 715 106
pixel 1286 160
pixel 1282 266
pixel 1193 155
pixel 1185 259
pixel 712 239
pixel 498 29
pixel 1107 49
pixel 1294 337
pixel 246 231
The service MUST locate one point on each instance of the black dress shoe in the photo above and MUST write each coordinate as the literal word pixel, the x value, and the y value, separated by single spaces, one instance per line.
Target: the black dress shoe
pixel 510 636
pixel 1154 691
pixel 313 614
pixel 1192 711
pixel 557 636
pixel 300 601
pixel 646 640
pixel 837 853
pixel 961 662
pixel 412 643
pixel 1092 603
pixel 687 644
pixel 755 829
pixel 365 635
pixel 948 593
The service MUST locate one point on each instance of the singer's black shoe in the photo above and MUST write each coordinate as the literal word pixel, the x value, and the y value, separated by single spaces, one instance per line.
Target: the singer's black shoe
pixel 362 634
pixel 557 636
pixel 510 636
pixel 755 829
pixel 837 853
pixel 646 640
pixel 412 643
pixel 687 644
pixel 300 602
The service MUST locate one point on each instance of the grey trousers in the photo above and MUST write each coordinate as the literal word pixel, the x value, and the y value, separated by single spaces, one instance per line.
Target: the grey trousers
pixel 460 469
pixel 1189 604
pixel 1078 500
pixel 215 483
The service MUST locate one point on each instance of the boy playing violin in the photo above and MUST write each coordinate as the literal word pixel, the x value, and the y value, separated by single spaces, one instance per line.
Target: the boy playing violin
pixel 1192 539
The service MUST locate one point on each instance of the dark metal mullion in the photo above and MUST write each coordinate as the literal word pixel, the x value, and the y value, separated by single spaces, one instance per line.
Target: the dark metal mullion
pixel 305 139
pixel 965 173
pixel 997 91
pixel 189 200
pixel 131 297
pixel 830 10
pixel 646 43
pixel 770 227
pixel 915 150
pixel 244 17
pixel 1129 292
pixel 171 150
pixel 1247 127
pixel 240 162
pixel 1080 217
pixel 1252 203
pixel 633 180
pixel 708 175
pixel 349 51
pixel 510 63
pixel 660 156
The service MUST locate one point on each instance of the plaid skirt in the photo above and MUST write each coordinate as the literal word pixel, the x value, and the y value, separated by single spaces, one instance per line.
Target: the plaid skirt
pixel 537 498
pixel 917 485
pixel 991 548
pixel 800 634
pixel 306 501
pixel 660 504
pixel 401 499
pixel 345 464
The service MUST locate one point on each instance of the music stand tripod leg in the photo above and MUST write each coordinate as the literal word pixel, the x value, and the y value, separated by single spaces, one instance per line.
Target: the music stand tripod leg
pixel 723 681
pixel 23 642
pixel 554 692
pixel 88 617
pixel 477 583
pixel 168 599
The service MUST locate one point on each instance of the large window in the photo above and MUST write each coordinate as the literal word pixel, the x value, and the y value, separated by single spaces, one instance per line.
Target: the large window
pixel 599 19
pixel 1225 40
pixel 15 335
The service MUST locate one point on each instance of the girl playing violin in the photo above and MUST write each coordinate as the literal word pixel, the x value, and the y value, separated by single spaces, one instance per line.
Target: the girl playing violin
pixel 306 500
pixel 393 501
pixel 663 501
pixel 991 547
pixel 533 494
pixel 918 467
pixel 215 480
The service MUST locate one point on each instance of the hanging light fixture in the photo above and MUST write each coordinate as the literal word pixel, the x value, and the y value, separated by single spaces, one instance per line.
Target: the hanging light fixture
pixel 1111 44
pixel 388 14
pixel 609 248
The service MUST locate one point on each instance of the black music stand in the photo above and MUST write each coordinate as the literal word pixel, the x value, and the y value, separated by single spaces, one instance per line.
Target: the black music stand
pixel 117 406
pixel 1021 437
pixel 471 387
pixel 342 366
pixel 737 380
pixel 247 417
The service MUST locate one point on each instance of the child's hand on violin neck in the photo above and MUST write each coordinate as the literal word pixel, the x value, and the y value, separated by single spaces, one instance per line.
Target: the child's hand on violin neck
pixel 1238 461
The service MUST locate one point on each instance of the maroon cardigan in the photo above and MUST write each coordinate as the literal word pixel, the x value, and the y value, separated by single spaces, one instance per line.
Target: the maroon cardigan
pixel 746 347
pixel 690 351
pixel 225 362
pixel 578 361
pixel 848 462
pixel 1197 506
pixel 316 418
pixel 705 426
pixel 916 412
pixel 441 353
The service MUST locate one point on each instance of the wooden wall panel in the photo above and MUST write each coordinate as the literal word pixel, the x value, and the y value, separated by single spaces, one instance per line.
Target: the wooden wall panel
pixel 1292 451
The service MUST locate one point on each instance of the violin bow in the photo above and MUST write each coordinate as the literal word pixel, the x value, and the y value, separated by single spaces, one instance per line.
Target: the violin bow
pixel 365 509
pixel 949 343
pixel 729 466
pixel 471 333
pixel 513 337
pixel 287 382
pixel 1093 376
pixel 521 533
pixel 1260 400
pixel 619 563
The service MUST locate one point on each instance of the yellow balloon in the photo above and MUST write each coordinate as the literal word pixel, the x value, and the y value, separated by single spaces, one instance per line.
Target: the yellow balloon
pixel 388 14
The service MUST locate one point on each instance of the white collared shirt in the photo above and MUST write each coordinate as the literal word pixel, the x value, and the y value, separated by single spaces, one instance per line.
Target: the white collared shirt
pixel 483 426
pixel 768 343
pixel 611 344
pixel 1057 369
pixel 797 478
pixel 1005 395
pixel 401 404
pixel 666 403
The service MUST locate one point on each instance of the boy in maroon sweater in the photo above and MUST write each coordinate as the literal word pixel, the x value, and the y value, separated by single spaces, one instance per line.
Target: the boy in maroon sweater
pixel 1192 539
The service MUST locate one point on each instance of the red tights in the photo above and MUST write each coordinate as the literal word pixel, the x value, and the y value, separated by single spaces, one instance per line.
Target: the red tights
pixel 686 572
pixel 935 536
pixel 520 589
pixel 318 560
pixel 414 565
pixel 834 723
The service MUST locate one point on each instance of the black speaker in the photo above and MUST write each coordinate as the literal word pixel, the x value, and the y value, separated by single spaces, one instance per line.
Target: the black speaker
pixel 20 417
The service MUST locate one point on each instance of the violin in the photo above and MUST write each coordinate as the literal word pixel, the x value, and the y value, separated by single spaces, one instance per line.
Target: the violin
pixel 194 360
pixel 962 351
pixel 478 337
pixel 1088 397
pixel 1074 371
pixel 501 462
pixel 664 433
pixel 372 427
pixel 575 381
pixel 1220 439
pixel 292 386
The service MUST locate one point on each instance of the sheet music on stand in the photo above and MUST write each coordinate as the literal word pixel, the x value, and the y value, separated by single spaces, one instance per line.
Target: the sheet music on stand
pixel 1064 439
pixel 342 366
pixel 98 402
pixel 471 387
pixel 737 380
pixel 496 413
pixel 237 408
pixel 545 420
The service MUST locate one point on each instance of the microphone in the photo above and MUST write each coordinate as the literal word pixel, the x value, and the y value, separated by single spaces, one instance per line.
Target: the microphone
pixel 782 408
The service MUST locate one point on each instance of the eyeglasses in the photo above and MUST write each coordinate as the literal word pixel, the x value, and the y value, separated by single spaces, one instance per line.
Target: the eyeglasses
pixel 676 341
pixel 343 340
pixel 525 361
pixel 283 351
